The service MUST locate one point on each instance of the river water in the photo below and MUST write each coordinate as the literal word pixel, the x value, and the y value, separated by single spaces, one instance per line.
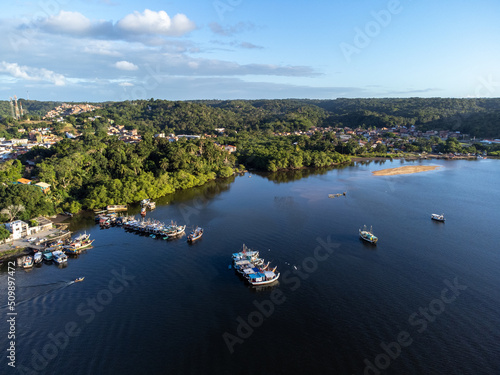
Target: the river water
pixel 424 300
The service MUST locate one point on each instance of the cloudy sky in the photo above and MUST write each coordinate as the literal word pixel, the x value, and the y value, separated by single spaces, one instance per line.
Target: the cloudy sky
pixel 99 50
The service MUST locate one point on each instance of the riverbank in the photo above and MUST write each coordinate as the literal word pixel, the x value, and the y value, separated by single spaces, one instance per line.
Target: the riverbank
pixel 21 246
pixel 409 169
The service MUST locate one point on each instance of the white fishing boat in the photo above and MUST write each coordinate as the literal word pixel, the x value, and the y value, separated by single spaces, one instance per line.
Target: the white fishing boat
pixel 245 254
pixel 28 261
pixel 438 217
pixel 262 278
pixel 38 257
pixel 175 230
pixel 59 257
pixel 368 235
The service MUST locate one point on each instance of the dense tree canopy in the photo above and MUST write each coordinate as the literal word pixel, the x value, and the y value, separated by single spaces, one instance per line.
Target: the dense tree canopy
pixel 96 172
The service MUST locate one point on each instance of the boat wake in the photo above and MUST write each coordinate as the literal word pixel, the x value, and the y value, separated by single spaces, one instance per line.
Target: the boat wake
pixel 45 289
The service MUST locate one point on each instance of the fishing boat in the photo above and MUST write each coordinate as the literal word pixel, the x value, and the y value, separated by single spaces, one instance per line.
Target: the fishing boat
pixel 59 257
pixel 79 279
pixel 143 211
pixel 196 234
pixel 175 230
pixel 263 278
pixel 38 257
pixel 368 235
pixel 28 261
pixel 438 217
pixel 47 255
pixel 147 203
pixel 245 253
pixel 248 264
pixel 79 243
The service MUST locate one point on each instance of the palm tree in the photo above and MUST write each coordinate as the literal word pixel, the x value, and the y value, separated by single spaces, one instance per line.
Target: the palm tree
pixel 12 211
pixel 164 164
pixel 191 148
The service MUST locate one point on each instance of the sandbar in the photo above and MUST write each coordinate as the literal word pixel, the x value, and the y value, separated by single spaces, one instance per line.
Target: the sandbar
pixel 405 170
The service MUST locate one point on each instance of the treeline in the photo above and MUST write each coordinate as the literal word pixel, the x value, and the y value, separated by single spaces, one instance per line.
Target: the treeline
pixel 93 172
pixel 478 117
pixel 269 153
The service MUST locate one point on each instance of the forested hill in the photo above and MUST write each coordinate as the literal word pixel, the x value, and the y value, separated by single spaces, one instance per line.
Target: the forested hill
pixel 32 107
pixel 479 117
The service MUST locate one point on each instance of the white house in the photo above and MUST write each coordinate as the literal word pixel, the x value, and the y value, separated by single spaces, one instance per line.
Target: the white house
pixel 18 229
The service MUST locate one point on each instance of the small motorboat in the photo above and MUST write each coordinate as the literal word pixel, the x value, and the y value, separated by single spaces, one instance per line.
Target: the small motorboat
pixel 438 217
pixel 28 261
pixel 79 279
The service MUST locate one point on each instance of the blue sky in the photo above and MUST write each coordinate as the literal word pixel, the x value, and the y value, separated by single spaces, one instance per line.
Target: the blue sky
pixel 99 50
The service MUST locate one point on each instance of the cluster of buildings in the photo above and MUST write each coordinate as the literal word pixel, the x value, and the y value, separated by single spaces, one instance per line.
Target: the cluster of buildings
pixel 402 132
pixel 42 185
pixel 127 136
pixel 380 135
pixel 69 109
pixel 12 148
pixel 20 229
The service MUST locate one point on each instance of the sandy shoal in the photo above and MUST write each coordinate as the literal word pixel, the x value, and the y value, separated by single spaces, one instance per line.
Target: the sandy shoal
pixel 404 170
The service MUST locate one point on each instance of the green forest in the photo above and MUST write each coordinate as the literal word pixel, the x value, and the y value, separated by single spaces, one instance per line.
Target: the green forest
pixel 93 172
pixel 96 170
pixel 479 117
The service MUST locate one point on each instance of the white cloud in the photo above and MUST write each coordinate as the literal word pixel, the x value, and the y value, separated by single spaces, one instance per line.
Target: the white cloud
pixel 67 22
pixel 101 47
pixel 126 84
pixel 32 74
pixel 125 65
pixel 151 22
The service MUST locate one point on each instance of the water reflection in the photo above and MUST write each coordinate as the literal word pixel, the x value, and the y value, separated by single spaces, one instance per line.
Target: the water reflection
pixel 207 192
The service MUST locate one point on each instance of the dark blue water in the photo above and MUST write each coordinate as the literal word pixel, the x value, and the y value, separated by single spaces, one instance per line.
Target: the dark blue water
pixel 166 307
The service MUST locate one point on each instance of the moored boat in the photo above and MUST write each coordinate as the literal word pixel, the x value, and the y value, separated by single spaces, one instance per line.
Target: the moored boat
pixel 245 254
pixel 59 257
pixel 28 261
pixel 37 257
pixel 368 235
pixel 251 267
pixel 194 235
pixel 438 217
pixel 174 230
pixel 79 243
pixel 263 278
pixel 47 255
